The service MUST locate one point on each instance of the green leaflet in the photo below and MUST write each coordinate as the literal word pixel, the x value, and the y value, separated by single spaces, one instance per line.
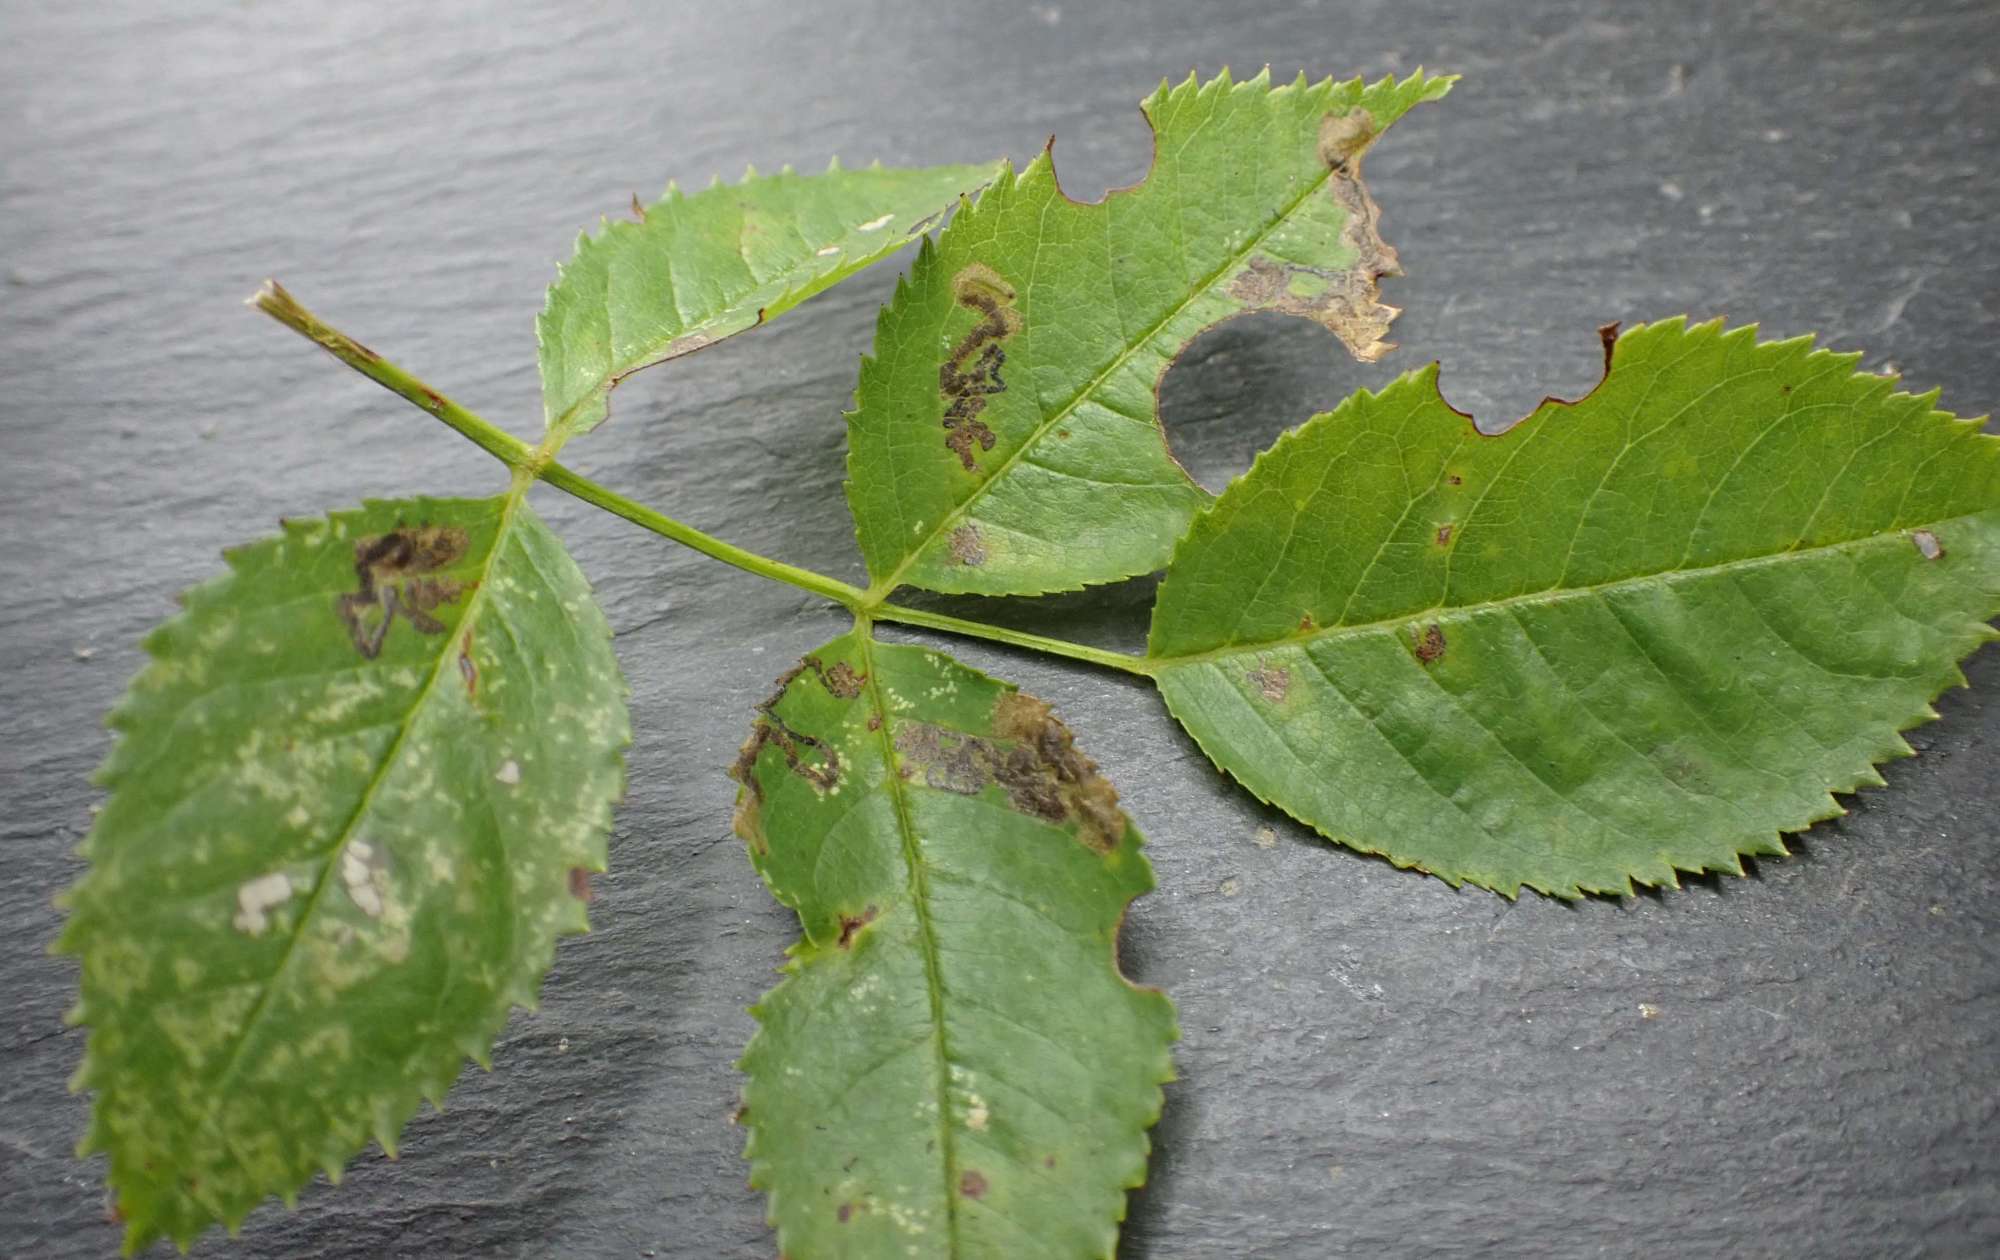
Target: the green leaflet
pixel 954 1066
pixel 1005 437
pixel 696 269
pixel 358 794
pixel 1636 634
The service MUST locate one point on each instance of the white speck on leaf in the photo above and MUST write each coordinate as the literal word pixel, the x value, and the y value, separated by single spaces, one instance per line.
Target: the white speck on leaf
pixel 875 225
pixel 509 772
pixel 258 895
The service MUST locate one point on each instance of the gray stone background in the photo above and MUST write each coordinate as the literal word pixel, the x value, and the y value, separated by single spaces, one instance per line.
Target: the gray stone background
pixel 1373 1064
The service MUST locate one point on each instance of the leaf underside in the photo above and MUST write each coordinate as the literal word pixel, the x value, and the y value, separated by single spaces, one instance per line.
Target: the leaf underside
pixel 954 1065
pixel 1638 634
pixel 1006 435
pixel 703 266
pixel 358 793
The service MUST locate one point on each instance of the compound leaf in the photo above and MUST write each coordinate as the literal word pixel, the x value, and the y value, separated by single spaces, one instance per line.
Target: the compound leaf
pixel 697 268
pixel 1005 437
pixel 358 793
pixel 1638 634
pixel 954 1065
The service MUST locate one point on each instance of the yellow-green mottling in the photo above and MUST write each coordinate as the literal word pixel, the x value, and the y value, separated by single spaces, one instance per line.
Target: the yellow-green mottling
pixel 316 889
pixel 954 1065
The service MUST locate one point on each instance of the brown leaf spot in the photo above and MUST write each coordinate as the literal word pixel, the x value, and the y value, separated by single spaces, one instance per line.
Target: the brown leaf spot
pixel 972 1184
pixel 1306 623
pixel 972 371
pixel 967 547
pixel 853 923
pixel 1048 1161
pixel 579 885
pixel 468 669
pixel 1927 544
pixel 391 568
pixel 1444 534
pixel 1454 479
pixel 1430 644
pixel 1273 682
pixel 843 1213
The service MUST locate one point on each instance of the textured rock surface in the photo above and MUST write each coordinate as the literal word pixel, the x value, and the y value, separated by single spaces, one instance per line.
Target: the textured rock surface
pixel 1801 1063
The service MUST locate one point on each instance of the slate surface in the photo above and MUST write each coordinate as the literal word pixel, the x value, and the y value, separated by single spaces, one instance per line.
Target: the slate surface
pixel 1373 1064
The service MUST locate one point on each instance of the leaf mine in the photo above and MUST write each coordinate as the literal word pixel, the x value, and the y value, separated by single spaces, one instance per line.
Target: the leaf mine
pixel 1637 634
pixel 329 865
pixel 1006 437
pixel 953 1050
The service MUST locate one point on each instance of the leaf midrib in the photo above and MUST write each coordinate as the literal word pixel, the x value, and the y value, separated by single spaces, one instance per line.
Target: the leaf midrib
pixel 1552 595
pixel 880 590
pixel 919 885
pixel 474 608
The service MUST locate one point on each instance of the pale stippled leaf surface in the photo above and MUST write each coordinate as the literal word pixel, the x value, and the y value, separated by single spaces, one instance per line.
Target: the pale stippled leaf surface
pixel 356 797
pixel 1006 437
pixel 954 1065
pixel 703 266
pixel 1640 634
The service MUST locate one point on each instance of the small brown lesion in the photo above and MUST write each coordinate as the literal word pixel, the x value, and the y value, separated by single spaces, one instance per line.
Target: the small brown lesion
pixel 1429 643
pixel 966 545
pixel 971 373
pixel 395 571
pixel 851 925
pixel 1444 534
pixel 972 1184
pixel 1273 682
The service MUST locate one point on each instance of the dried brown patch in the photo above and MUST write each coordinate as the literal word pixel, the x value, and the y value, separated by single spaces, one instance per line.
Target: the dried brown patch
pixel 972 1184
pixel 1346 302
pixel 971 373
pixel 1430 643
pixel 853 923
pixel 393 569
pixel 1273 682
pixel 1032 757
pixel 967 547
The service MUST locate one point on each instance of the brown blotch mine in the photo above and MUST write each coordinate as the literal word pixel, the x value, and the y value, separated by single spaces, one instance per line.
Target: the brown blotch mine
pixel 850 924
pixel 1273 682
pixel 972 1184
pixel 967 547
pixel 1347 302
pixel 392 569
pixel 1927 544
pixel 971 373
pixel 1430 644
pixel 1032 758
